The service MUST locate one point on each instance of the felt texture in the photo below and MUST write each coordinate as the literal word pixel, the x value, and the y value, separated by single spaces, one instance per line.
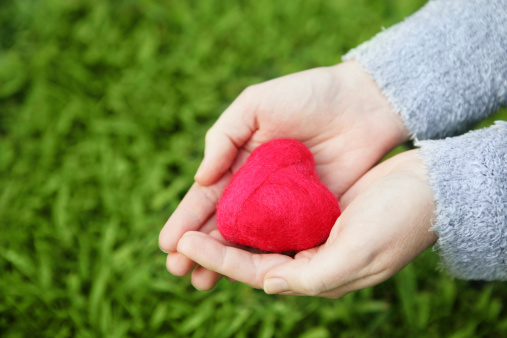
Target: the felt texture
pixel 275 202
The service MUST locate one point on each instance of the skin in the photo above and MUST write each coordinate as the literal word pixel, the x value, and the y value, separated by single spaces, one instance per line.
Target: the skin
pixel 342 117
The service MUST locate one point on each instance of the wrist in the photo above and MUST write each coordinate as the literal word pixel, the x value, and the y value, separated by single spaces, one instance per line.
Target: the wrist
pixel 371 109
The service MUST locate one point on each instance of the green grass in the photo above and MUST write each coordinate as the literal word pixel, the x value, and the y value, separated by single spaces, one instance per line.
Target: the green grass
pixel 103 110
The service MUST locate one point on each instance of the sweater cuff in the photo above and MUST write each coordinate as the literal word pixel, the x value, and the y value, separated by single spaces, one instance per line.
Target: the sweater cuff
pixel 468 175
pixel 444 68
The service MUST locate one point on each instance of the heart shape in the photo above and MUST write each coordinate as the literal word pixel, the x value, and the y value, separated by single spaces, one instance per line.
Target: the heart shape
pixel 275 202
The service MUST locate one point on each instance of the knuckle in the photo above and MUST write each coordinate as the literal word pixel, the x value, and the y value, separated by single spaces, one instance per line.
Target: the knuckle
pixel 248 90
pixel 162 242
pixel 223 262
pixel 313 286
pixel 168 264
pixel 183 244
pixel 211 194
pixel 249 93
pixel 257 264
pixel 209 135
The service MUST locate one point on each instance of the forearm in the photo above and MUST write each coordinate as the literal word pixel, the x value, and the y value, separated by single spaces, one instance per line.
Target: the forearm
pixel 444 68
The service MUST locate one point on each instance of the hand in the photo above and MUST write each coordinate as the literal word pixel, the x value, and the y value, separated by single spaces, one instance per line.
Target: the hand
pixel 338 112
pixel 384 225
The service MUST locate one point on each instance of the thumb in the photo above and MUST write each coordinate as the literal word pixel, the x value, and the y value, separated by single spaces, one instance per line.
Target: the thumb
pixel 229 133
pixel 340 266
pixel 312 272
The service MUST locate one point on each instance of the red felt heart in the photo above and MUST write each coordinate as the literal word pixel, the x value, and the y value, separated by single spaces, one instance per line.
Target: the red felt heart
pixel 275 202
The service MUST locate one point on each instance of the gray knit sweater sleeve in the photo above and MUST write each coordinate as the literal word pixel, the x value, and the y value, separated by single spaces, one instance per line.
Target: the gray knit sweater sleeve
pixel 468 175
pixel 444 69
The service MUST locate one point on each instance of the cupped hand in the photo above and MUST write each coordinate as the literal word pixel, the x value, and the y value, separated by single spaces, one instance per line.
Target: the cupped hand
pixel 385 224
pixel 337 112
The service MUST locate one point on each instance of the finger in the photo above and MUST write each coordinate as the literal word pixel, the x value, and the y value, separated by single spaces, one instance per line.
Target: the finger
pixel 343 290
pixel 299 276
pixel 317 276
pixel 319 271
pixel 235 263
pixel 357 284
pixel 242 156
pixel 234 127
pixel 180 265
pixel 204 279
pixel 194 210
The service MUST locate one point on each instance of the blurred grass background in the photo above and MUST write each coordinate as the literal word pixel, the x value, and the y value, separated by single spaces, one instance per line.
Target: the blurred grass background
pixel 103 110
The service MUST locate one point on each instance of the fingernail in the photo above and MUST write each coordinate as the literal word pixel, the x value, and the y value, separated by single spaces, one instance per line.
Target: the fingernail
pixel 163 250
pixel 275 285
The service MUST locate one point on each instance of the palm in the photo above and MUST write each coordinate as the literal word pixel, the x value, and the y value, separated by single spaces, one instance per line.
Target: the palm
pixel 345 135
